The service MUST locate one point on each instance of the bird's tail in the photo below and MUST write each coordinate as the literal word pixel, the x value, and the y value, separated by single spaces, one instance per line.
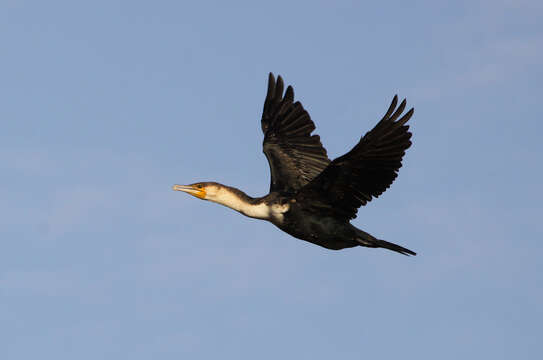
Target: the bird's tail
pixel 368 240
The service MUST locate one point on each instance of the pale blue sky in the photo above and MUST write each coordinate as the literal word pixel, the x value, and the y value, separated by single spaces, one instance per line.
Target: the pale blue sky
pixel 106 104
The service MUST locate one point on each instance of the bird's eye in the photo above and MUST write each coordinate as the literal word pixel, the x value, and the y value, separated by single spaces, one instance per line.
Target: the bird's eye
pixel 199 186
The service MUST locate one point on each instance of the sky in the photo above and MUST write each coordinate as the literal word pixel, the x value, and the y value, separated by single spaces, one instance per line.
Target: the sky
pixel 106 104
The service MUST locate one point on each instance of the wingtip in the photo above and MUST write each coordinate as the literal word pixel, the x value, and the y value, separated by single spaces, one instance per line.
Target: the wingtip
pixel 391 108
pixel 279 86
pixel 289 94
pixel 405 118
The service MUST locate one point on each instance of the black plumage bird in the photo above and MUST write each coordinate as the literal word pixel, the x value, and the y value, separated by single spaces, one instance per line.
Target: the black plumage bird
pixel 311 197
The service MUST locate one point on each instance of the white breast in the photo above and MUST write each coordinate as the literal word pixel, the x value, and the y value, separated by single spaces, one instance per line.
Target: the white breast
pixel 273 213
pixel 277 211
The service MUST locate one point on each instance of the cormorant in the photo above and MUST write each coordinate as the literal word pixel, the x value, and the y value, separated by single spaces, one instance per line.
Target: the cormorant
pixel 311 197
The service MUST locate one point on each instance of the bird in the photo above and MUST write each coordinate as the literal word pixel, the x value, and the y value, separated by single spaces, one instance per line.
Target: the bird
pixel 311 197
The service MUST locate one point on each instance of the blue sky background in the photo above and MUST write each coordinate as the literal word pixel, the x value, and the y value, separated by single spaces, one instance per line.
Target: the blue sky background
pixel 106 104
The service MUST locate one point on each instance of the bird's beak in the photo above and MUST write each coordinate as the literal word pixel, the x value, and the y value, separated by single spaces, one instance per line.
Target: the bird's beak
pixel 189 189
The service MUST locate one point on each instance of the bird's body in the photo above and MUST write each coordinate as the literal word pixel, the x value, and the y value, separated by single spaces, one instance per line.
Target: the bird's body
pixel 311 197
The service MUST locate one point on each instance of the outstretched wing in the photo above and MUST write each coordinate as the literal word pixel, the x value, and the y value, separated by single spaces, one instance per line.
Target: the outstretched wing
pixel 365 172
pixel 295 156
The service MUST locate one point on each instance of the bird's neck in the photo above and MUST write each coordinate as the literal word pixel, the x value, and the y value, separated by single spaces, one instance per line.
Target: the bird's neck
pixel 237 200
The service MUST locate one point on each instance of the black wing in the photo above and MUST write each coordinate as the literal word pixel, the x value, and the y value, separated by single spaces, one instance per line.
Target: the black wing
pixel 366 171
pixel 295 156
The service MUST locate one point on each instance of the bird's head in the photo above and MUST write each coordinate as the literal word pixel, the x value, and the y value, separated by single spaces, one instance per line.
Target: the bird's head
pixel 202 190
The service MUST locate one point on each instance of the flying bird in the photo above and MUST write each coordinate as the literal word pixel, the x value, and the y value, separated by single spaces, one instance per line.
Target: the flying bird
pixel 311 197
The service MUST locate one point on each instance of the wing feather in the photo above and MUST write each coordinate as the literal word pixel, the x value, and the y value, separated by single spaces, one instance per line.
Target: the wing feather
pixel 365 172
pixel 294 155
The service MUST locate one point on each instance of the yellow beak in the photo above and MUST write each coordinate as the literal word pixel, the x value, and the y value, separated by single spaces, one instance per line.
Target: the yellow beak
pixel 192 190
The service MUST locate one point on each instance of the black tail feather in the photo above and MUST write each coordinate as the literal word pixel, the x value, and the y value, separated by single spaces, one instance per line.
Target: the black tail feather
pixel 368 240
pixel 394 247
